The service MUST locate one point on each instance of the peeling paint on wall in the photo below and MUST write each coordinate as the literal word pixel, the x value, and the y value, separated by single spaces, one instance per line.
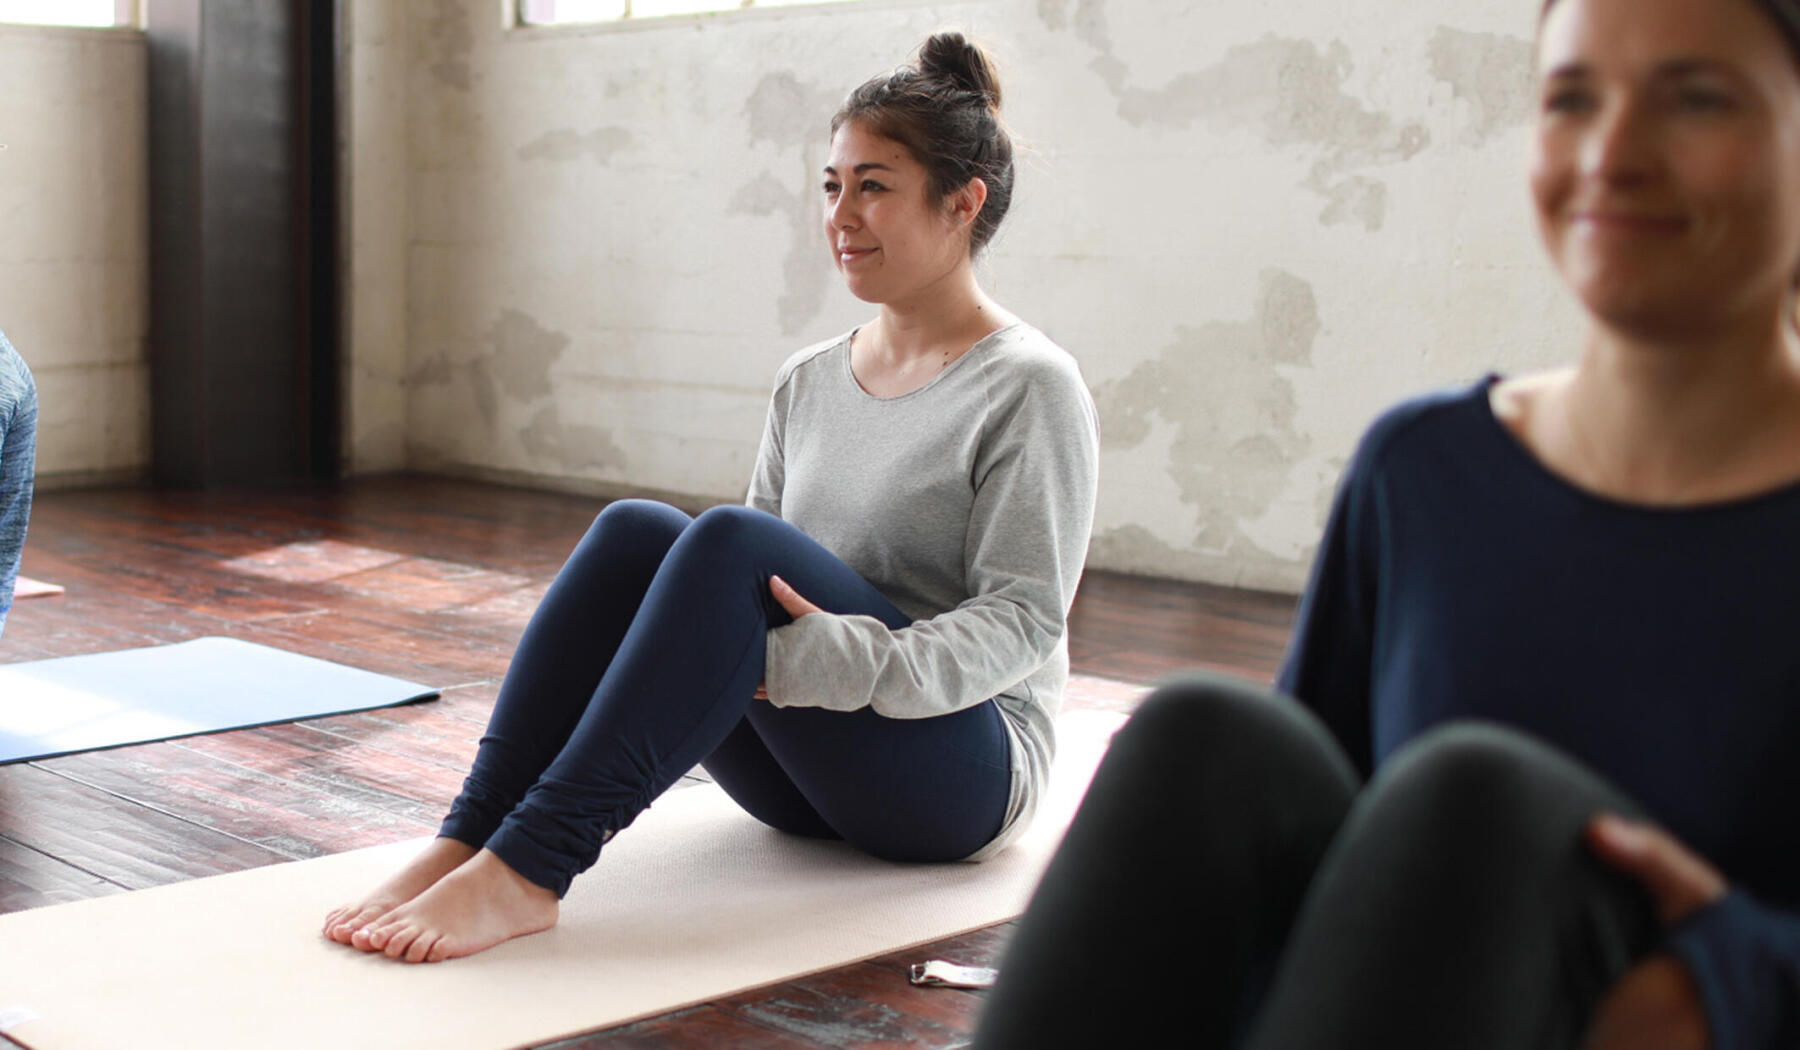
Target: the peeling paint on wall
pixel 432 371
pixel 1221 386
pixel 786 112
pixel 523 352
pixel 566 144
pixel 452 40
pixel 1293 94
pixel 1357 198
pixel 1089 23
pixel 806 270
pixel 515 365
pixel 1490 72
pixel 481 388
pixel 572 447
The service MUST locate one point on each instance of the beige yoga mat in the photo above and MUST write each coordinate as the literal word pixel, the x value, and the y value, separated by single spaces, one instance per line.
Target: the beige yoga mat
pixel 694 902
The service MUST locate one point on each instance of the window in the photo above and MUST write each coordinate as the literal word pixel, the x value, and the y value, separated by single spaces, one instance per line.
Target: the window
pixel 557 12
pixel 104 13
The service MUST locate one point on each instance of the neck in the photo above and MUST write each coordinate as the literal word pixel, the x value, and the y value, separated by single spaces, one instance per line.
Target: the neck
pixel 947 311
pixel 1667 419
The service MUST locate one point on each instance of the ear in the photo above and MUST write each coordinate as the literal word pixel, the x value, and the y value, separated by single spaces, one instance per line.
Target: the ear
pixel 965 204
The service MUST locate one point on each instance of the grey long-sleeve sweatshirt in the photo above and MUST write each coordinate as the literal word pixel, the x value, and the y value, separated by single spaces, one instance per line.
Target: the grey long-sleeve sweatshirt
pixel 968 503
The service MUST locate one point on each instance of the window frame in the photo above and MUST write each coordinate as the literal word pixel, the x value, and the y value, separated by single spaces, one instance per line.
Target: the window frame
pixel 127 15
pixel 518 14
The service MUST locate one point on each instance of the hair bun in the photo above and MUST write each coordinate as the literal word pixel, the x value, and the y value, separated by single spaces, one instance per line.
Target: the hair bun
pixel 951 57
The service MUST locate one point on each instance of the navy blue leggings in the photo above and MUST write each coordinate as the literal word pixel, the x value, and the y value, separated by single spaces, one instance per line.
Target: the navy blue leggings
pixel 643 660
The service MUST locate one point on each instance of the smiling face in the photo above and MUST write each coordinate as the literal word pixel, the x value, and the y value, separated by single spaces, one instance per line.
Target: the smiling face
pixel 1666 166
pixel 889 240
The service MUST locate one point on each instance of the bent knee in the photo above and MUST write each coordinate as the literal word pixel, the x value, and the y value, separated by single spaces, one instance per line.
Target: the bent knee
pixel 1203 704
pixel 1501 781
pixel 1210 718
pixel 641 517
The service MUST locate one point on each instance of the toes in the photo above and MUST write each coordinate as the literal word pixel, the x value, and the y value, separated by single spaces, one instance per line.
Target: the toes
pixel 370 938
pixel 352 922
pixel 440 950
pixel 422 946
pixel 399 940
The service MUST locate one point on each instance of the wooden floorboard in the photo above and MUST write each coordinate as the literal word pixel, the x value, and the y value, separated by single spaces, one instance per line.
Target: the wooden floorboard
pixel 433 580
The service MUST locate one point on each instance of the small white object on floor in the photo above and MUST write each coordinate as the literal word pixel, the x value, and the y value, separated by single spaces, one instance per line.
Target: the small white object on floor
pixel 941 973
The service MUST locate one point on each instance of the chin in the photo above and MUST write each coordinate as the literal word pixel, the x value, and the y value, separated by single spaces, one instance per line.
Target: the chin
pixel 866 291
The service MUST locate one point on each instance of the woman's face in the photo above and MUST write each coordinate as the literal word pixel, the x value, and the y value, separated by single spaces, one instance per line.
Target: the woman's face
pixel 887 237
pixel 1666 167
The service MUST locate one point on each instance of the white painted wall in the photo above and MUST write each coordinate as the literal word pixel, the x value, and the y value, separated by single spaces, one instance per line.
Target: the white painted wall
pixel 73 243
pixel 1254 226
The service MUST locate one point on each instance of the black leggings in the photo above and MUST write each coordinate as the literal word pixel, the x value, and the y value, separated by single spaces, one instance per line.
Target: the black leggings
pixel 1229 882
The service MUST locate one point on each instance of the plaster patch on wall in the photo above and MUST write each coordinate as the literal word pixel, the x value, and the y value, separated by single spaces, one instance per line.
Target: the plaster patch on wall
pixel 481 388
pixel 515 365
pixel 452 40
pixel 567 144
pixel 1292 92
pixel 806 271
pixel 523 352
pixel 1221 385
pixel 570 446
pixel 786 112
pixel 1356 199
pixel 1090 27
pixel 432 371
pixel 1489 71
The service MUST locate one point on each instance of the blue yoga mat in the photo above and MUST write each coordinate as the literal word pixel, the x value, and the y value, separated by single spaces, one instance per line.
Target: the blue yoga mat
pixel 81 703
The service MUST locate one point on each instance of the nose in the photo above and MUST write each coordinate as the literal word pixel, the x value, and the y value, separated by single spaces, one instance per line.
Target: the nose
pixel 841 214
pixel 1621 145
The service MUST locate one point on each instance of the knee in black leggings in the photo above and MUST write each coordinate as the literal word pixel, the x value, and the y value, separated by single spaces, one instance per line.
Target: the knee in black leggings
pixel 1217 727
pixel 1487 810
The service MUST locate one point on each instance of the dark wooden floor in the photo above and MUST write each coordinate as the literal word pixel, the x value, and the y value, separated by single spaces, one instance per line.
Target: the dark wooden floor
pixel 431 580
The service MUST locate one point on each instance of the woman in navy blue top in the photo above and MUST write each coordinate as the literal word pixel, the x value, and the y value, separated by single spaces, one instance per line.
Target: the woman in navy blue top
pixel 1537 790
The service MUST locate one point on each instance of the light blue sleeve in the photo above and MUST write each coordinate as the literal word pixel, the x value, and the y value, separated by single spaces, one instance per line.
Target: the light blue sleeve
pixel 18 457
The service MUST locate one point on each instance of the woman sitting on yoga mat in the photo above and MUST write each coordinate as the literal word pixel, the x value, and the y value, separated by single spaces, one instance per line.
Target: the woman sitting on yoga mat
pixel 1556 617
pixel 18 448
pixel 875 648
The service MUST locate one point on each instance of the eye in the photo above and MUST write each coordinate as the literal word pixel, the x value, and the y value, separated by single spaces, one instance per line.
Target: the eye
pixel 1568 100
pixel 871 186
pixel 1695 98
pixel 831 188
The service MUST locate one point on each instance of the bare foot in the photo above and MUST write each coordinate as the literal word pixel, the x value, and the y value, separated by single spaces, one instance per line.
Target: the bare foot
pixel 437 860
pixel 469 910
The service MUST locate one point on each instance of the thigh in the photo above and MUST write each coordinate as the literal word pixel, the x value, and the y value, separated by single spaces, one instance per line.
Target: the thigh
pixel 914 789
pixel 1461 907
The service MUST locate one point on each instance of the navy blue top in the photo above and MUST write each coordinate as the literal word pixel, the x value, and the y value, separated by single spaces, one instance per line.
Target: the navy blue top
pixel 1459 578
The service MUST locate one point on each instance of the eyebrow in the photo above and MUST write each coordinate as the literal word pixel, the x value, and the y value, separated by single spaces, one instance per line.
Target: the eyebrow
pixel 860 168
pixel 1674 67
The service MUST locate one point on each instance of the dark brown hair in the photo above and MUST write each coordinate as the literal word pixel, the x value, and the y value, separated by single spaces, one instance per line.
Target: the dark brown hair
pixel 1784 13
pixel 945 109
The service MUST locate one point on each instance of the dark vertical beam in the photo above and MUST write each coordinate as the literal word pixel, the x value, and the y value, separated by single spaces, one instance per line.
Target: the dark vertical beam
pixel 179 438
pixel 243 245
pixel 319 49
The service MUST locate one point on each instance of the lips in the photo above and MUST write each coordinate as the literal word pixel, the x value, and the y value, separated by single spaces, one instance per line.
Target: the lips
pixel 848 254
pixel 1628 221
